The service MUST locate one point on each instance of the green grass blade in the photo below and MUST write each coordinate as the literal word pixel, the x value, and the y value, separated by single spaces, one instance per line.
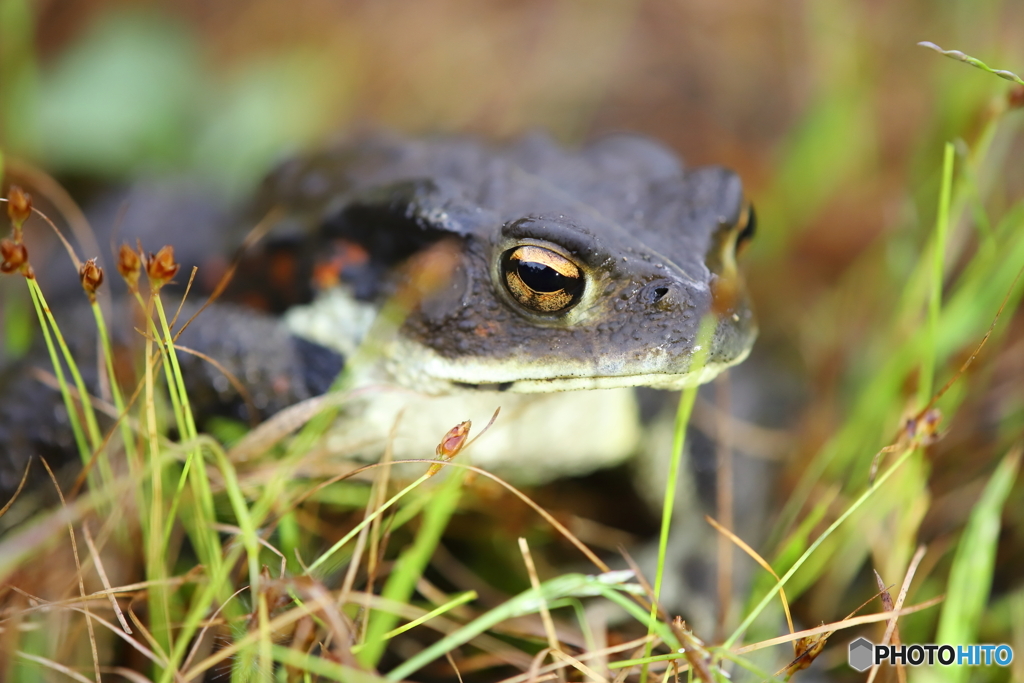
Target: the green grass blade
pixel 462 599
pixel 321 667
pixel 115 390
pixel 250 535
pixel 938 270
pixel 686 400
pixel 973 61
pixel 792 548
pixel 194 470
pixel 156 555
pixel 879 482
pixel 359 527
pixel 92 426
pixel 413 561
pixel 527 602
pixel 970 578
pixel 58 370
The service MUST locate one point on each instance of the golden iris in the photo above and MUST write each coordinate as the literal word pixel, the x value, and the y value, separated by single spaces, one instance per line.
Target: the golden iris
pixel 541 279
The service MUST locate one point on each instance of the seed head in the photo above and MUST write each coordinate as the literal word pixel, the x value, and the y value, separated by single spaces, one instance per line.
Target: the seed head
pixel 14 255
pixel 129 264
pixel 91 276
pixel 19 208
pixel 161 267
pixel 14 258
pixel 452 442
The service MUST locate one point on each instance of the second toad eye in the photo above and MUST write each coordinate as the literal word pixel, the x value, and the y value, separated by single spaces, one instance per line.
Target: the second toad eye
pixel 540 279
pixel 747 228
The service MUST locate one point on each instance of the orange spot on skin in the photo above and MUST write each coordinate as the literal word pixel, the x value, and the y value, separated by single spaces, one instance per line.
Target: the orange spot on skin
pixel 282 270
pixel 280 384
pixel 486 329
pixel 344 254
pixel 255 300
pixel 326 275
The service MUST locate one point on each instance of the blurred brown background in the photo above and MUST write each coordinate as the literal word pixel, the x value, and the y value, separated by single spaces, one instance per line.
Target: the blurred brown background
pixel 829 111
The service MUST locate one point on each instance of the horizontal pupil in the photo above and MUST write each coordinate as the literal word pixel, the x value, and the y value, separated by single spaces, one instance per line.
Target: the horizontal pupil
pixel 542 278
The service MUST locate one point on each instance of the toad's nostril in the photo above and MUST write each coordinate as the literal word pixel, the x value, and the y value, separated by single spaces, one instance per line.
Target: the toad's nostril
pixel 655 292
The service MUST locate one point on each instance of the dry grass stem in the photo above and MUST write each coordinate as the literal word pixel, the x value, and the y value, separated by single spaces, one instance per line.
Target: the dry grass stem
pixel 753 554
pixel 545 614
pixel 98 563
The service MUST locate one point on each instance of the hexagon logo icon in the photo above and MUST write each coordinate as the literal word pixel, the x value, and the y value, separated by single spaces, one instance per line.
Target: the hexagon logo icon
pixel 862 654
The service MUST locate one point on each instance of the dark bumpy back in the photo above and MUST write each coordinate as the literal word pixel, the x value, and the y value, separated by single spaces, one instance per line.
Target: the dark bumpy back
pixel 629 185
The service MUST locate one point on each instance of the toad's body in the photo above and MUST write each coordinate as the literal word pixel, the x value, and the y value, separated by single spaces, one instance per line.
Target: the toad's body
pixel 547 270
pixel 574 270
pixel 519 271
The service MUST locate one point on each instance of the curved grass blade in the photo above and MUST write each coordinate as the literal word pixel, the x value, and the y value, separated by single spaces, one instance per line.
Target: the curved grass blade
pixel 973 61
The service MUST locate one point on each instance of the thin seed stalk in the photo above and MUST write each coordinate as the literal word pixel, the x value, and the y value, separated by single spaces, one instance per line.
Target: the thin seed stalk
pixel 219 574
pixel 115 388
pixel 179 419
pixel 870 491
pixel 201 603
pixel 186 427
pixel 208 549
pixel 92 426
pixel 127 437
pixel 58 370
pixel 209 553
pixel 359 527
pixel 156 564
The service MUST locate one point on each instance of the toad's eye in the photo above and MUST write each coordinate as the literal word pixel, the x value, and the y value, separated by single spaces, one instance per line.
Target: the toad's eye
pixel 540 279
pixel 746 229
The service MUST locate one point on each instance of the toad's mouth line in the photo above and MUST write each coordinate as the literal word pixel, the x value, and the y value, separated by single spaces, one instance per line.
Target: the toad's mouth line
pixel 424 370
pixel 657 380
pixel 566 383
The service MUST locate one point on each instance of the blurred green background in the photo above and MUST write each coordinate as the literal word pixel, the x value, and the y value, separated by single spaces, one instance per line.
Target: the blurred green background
pixel 833 116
